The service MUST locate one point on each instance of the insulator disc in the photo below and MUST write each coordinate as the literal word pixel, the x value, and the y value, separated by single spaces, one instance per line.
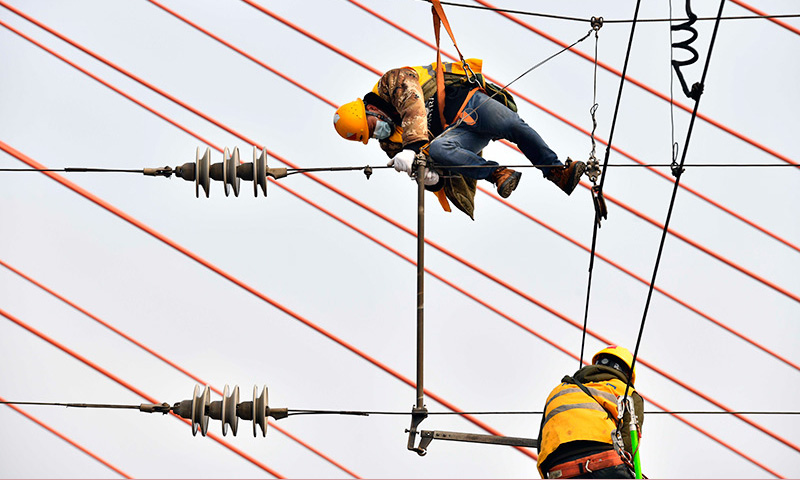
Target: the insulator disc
pixel 230 171
pixel 196 401
pixel 206 401
pixel 259 171
pixel 229 404
pixel 226 156
pixel 260 411
pixel 201 172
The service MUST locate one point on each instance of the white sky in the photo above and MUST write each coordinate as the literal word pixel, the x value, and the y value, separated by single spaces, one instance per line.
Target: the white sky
pixel 357 290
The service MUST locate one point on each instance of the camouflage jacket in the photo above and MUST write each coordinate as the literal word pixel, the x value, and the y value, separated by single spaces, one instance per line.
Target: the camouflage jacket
pixel 400 95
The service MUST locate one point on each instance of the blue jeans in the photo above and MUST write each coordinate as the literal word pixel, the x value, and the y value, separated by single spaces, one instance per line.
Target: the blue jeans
pixel 487 120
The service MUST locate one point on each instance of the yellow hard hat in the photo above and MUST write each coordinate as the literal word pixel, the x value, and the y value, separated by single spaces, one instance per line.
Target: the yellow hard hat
pixel 621 353
pixel 350 121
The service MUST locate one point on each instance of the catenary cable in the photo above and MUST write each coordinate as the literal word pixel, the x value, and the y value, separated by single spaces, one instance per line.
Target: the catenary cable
pixel 377 72
pixel 646 87
pixel 599 191
pixel 544 338
pixel 585 20
pixel 65 438
pixel 130 387
pixel 771 18
pixel 219 124
pixel 756 277
pixel 250 141
pixel 677 171
pixel 293 171
pixel 581 129
pixel 165 360
pixel 290 412
pixel 124 216
pixel 567 352
pixel 565 318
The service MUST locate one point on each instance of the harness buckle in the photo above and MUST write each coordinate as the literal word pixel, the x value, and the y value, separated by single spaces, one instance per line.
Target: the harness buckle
pixel 471 76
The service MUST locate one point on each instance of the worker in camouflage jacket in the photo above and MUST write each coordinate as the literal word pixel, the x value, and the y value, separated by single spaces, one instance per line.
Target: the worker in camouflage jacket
pixel 578 436
pixel 402 112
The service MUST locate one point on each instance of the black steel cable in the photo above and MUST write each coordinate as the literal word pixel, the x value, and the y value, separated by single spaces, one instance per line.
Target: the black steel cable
pixel 365 413
pixel 677 172
pixel 592 164
pixel 599 191
pixel 292 171
pixel 579 19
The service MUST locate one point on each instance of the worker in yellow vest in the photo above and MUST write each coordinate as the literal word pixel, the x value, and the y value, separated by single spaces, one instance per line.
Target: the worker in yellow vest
pixel 578 436
pixel 402 112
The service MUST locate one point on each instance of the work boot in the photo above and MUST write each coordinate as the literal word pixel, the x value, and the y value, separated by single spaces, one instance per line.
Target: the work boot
pixel 567 176
pixel 506 180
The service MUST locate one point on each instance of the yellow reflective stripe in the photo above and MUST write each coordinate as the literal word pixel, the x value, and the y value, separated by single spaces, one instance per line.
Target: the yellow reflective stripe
pixel 569 388
pixel 572 406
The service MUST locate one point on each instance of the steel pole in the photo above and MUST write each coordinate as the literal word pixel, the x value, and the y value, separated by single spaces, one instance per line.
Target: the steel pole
pixel 420 280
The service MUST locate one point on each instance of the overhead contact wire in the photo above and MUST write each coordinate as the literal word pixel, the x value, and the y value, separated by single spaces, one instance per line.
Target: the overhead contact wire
pixel 631 210
pixel 377 72
pixel 127 385
pixel 66 439
pixel 323 183
pixel 56 177
pixel 165 360
pixel 119 213
pixel 585 20
pixel 677 171
pixel 596 222
pixel 766 16
pixel 646 87
pixel 586 132
pixel 536 302
pixel 518 323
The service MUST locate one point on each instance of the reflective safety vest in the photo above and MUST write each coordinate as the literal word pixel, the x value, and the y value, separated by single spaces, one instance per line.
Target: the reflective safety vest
pixel 455 73
pixel 427 75
pixel 571 415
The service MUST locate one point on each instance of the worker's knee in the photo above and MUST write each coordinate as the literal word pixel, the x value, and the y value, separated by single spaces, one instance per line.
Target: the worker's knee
pixel 443 149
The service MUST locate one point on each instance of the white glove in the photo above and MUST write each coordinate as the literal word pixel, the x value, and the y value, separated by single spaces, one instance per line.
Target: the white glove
pixel 431 177
pixel 403 162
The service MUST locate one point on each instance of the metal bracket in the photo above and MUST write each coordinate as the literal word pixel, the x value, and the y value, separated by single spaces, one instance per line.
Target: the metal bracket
pixel 158 172
pixel 162 408
pixel 600 209
pixel 593 168
pixel 430 435
pixel 417 416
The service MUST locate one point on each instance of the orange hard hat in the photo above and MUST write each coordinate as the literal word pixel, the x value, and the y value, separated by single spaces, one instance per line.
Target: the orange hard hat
pixel 350 121
pixel 622 353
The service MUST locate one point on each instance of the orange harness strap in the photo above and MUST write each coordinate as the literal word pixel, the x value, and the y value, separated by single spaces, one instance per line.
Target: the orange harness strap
pixel 439 18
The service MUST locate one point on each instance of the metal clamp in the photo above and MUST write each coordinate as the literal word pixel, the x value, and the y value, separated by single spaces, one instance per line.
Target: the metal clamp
pixel 417 416
pixel 600 209
pixel 430 435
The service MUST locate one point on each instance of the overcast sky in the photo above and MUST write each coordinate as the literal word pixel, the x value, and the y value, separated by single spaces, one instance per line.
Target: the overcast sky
pixel 326 277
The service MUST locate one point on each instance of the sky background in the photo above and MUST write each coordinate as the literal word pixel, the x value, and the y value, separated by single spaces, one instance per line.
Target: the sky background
pixel 307 263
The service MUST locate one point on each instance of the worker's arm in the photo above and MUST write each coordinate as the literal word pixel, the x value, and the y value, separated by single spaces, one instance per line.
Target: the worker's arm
pixel 401 88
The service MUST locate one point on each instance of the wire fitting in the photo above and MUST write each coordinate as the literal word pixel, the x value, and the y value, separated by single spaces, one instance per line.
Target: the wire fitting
pixel 597 23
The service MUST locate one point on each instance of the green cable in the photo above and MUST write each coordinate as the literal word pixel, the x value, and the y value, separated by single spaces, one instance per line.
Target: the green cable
pixel 637 464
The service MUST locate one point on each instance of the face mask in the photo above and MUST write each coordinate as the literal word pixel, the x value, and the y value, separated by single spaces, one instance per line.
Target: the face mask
pixel 382 130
